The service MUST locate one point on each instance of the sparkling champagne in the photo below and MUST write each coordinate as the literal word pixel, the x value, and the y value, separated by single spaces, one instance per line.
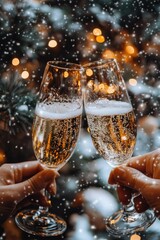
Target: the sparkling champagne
pixel 55 133
pixel 113 129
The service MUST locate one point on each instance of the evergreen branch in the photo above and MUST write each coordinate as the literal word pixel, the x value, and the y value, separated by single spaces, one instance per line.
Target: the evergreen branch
pixel 17 104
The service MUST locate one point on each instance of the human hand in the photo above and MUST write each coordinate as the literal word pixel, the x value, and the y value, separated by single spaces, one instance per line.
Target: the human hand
pixel 21 184
pixel 141 174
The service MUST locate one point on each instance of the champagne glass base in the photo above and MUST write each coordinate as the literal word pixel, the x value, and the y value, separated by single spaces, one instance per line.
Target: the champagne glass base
pixel 121 224
pixel 40 223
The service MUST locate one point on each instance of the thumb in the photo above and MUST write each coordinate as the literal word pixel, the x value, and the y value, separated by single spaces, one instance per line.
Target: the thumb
pixel 129 177
pixel 34 184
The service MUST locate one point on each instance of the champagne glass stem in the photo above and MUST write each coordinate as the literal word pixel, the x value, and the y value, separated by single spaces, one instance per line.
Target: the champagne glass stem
pixel 40 214
pixel 128 212
pixel 42 209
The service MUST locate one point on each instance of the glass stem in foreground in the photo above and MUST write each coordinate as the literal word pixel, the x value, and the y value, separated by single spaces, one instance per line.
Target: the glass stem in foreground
pixel 129 212
pixel 43 209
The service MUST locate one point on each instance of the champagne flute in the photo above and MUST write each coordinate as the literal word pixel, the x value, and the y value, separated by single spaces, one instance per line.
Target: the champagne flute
pixel 112 126
pixel 55 133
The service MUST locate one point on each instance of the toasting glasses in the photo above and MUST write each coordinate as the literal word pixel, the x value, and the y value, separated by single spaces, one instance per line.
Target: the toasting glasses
pixel 55 133
pixel 112 126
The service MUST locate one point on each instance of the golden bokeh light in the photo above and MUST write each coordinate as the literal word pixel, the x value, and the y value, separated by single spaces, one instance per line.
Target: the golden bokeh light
pixel 97 31
pixel 2 156
pixel 135 237
pixel 90 84
pixel 103 88
pixel 130 49
pixel 108 54
pixel 111 89
pixel 15 61
pixel 124 138
pixel 132 81
pixel 100 39
pixel 96 88
pixel 25 74
pixel 65 74
pixel 89 72
pixel 52 43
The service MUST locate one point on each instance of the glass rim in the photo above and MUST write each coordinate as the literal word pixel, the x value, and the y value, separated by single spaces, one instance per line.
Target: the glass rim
pixel 100 63
pixel 63 65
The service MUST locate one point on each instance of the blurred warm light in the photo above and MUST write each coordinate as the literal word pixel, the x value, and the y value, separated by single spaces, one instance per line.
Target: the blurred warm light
pixel 130 49
pixel 103 87
pixel 124 57
pixel 15 61
pixel 97 31
pixel 88 130
pixel 89 72
pixel 123 137
pixel 25 74
pixel 79 83
pixel 90 37
pixel 2 157
pixel 132 82
pixel 96 88
pixel 111 89
pixel 90 84
pixel 65 74
pixel 108 54
pixel 100 39
pixel 52 43
pixel 135 237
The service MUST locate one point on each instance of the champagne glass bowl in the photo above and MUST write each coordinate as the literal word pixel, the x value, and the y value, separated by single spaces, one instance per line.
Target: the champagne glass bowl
pixel 55 133
pixel 112 125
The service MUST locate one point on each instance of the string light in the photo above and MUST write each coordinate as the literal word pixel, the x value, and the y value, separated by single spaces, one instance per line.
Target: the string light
pixel 52 43
pixel 25 74
pixel 15 61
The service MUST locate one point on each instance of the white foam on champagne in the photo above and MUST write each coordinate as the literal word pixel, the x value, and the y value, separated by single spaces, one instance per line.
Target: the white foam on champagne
pixel 58 110
pixel 108 108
